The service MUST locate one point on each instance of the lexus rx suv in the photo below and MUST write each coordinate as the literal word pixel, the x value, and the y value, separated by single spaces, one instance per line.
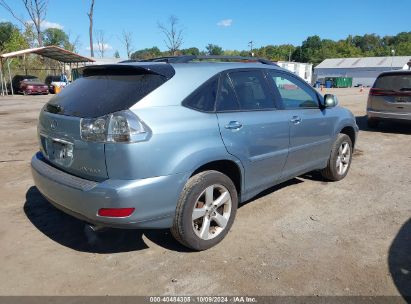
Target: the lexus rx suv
pixel 178 143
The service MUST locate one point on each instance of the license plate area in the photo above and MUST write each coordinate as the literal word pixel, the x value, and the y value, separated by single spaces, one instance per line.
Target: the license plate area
pixel 402 99
pixel 57 150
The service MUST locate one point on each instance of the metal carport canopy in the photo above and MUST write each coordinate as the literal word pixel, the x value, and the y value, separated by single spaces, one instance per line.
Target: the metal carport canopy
pixel 53 52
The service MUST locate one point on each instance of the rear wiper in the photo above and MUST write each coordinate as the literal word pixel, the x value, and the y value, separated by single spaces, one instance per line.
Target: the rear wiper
pixel 405 89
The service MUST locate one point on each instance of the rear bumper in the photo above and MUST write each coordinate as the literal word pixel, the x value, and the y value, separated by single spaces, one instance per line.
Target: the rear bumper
pixel 388 115
pixel 35 91
pixel 154 199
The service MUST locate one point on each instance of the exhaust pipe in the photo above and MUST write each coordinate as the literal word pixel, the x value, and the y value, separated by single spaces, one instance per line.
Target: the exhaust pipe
pixel 96 228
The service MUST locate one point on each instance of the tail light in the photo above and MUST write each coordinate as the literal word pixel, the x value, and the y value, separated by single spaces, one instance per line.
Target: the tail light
pixel 384 92
pixel 123 126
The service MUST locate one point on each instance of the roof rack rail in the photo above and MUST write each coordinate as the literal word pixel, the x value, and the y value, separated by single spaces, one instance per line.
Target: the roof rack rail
pixel 190 58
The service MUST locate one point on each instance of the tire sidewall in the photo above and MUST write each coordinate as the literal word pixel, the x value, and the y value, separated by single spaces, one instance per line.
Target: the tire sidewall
pixel 334 155
pixel 207 179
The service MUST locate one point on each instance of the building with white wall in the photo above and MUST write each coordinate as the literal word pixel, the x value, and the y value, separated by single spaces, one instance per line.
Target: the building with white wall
pixel 363 70
pixel 304 70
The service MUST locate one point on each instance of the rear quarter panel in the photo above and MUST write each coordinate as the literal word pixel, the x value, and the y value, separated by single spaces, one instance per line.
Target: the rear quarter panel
pixel 182 140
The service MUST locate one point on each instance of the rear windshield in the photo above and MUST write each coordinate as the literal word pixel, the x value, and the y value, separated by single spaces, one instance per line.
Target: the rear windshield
pixel 98 95
pixel 397 82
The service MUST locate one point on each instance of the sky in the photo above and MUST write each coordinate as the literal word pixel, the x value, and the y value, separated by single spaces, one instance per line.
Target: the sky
pixel 227 23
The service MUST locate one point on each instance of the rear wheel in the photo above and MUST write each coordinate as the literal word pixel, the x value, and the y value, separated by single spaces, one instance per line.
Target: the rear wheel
pixel 340 159
pixel 205 211
pixel 373 123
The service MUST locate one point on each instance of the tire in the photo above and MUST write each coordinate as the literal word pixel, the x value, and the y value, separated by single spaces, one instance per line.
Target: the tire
pixel 204 192
pixel 372 123
pixel 337 168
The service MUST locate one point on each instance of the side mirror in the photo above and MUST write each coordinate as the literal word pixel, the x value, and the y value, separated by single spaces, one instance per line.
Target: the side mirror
pixel 330 100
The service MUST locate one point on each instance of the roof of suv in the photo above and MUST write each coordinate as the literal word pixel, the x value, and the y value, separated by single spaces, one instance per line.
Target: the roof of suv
pixel 396 72
pixel 211 63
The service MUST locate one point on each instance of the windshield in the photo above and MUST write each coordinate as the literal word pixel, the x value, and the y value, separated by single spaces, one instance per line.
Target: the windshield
pixel 395 82
pixel 98 95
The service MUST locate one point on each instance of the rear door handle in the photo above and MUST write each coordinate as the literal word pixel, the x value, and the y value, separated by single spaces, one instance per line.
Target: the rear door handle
pixel 295 120
pixel 233 125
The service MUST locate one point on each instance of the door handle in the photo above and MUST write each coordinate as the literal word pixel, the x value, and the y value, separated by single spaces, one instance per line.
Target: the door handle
pixel 295 120
pixel 233 125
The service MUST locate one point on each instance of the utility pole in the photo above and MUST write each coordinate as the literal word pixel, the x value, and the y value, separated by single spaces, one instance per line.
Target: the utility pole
pixel 250 44
pixel 392 57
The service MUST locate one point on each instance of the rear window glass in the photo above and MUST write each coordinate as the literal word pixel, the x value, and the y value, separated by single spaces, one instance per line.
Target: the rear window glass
pixel 99 95
pixel 398 82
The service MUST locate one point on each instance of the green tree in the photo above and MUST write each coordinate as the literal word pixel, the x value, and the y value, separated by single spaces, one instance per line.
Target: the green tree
pixel 190 51
pixel 55 36
pixel 403 49
pixel 116 54
pixel 213 49
pixel 6 32
pixel 146 53
pixel 10 38
pixel 231 53
pixel 311 50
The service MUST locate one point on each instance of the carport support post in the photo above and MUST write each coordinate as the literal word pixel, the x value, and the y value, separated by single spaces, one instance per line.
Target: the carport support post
pixel 1 77
pixel 8 68
pixel 25 63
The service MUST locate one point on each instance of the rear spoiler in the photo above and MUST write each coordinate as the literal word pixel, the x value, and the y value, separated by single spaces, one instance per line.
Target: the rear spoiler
pixel 165 70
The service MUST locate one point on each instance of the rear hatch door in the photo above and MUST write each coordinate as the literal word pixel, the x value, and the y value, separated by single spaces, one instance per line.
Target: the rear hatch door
pixel 103 90
pixel 392 93
pixel 61 144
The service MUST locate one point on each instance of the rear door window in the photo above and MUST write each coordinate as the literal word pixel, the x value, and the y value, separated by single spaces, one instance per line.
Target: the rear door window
pixel 251 90
pixel 226 99
pixel 101 94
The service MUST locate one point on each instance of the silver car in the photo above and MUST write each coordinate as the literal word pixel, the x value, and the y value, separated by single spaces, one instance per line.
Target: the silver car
pixel 179 144
pixel 390 98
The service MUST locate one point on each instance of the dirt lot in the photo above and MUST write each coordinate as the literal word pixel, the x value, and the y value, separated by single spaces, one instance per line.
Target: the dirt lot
pixel 304 237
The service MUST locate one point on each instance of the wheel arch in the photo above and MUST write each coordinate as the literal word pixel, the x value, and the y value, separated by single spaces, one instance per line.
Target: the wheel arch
pixel 350 132
pixel 226 166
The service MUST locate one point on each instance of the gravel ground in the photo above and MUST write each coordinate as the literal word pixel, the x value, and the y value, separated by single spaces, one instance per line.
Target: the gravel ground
pixel 303 237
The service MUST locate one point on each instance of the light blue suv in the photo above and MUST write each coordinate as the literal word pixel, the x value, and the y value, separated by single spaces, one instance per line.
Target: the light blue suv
pixel 179 143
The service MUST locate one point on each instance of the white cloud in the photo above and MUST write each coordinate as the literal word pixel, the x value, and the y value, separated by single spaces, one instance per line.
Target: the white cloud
pixel 96 46
pixel 225 23
pixel 47 24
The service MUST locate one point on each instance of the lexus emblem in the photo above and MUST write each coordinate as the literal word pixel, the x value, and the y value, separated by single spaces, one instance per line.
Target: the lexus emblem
pixel 53 124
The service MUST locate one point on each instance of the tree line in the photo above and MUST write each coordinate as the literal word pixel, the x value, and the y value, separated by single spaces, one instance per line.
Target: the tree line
pixel 314 49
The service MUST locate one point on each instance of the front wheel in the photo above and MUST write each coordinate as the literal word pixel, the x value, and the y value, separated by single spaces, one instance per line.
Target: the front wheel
pixel 205 211
pixel 340 159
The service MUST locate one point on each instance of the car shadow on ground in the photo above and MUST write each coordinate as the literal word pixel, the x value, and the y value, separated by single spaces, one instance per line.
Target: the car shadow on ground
pixel 275 188
pixel 386 126
pixel 77 235
pixel 399 261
